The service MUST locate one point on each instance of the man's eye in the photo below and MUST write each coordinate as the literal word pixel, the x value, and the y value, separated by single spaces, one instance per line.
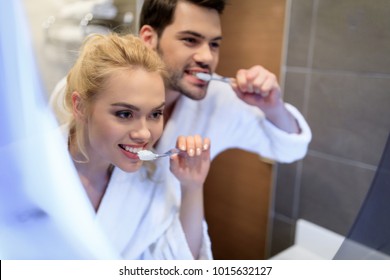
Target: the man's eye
pixel 189 40
pixel 124 114
pixel 214 45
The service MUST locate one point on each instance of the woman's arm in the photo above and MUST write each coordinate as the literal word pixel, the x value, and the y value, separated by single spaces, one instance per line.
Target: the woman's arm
pixel 191 167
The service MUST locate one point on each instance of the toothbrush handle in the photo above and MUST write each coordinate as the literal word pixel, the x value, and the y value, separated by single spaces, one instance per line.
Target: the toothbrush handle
pixel 224 79
pixel 169 153
pixel 173 151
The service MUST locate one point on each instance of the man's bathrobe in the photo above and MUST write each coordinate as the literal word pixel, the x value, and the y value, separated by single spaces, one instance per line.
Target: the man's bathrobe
pixel 231 123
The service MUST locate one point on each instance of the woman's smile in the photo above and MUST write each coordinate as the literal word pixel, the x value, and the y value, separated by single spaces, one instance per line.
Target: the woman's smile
pixel 131 151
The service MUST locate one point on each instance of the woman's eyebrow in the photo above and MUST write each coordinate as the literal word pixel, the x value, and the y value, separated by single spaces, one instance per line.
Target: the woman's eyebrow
pixel 126 105
pixel 160 106
pixel 134 108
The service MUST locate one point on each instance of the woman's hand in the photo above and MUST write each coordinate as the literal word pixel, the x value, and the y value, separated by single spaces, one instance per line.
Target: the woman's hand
pixel 192 165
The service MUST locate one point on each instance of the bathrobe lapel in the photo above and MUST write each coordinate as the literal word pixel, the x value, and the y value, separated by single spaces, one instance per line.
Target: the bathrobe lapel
pixel 135 211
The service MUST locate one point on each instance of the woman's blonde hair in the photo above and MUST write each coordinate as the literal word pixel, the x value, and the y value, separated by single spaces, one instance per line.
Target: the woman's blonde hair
pixel 100 56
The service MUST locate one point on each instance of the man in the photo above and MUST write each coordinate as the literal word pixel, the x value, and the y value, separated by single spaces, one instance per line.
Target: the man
pixel 187 34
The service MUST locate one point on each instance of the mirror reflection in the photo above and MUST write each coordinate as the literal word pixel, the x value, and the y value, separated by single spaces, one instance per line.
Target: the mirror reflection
pixel 330 60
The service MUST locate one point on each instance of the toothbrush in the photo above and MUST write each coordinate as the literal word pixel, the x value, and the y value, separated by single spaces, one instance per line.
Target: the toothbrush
pixel 149 155
pixel 207 77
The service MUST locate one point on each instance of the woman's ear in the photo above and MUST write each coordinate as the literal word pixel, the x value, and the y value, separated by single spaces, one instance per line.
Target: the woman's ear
pixel 149 36
pixel 78 106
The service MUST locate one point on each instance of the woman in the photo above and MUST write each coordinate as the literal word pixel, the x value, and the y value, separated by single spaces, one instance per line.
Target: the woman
pixel 116 95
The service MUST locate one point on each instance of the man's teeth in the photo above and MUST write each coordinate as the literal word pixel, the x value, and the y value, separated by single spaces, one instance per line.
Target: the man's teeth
pixel 132 150
pixel 194 73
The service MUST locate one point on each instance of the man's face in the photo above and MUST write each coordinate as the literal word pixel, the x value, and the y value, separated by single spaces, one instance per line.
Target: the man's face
pixel 191 45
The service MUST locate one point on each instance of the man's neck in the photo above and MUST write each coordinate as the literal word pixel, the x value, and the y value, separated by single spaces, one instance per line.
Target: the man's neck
pixel 171 98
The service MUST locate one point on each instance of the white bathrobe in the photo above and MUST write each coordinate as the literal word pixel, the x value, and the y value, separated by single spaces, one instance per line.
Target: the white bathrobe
pixel 139 215
pixel 141 219
pixel 231 123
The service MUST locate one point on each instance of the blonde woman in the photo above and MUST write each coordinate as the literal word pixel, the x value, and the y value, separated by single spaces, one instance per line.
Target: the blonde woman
pixel 115 96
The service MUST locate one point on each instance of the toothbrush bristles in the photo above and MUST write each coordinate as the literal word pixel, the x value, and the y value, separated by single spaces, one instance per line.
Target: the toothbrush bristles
pixel 203 76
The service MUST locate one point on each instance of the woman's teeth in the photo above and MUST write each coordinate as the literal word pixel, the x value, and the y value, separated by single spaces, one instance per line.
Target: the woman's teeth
pixel 131 149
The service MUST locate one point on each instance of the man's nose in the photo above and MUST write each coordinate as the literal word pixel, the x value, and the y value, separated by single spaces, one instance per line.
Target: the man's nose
pixel 204 54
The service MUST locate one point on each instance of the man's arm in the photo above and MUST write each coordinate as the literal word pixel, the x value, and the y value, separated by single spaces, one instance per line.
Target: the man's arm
pixel 258 87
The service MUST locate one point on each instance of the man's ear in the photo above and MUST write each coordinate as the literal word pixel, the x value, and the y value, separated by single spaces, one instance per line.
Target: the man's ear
pixel 149 36
pixel 78 106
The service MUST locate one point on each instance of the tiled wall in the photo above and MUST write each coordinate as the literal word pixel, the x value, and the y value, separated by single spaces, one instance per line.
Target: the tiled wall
pixel 337 72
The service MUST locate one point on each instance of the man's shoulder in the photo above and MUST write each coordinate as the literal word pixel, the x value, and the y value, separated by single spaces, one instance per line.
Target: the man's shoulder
pixel 220 92
pixel 216 87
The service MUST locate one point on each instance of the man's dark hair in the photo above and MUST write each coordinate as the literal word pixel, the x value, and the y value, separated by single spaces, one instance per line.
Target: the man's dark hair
pixel 159 13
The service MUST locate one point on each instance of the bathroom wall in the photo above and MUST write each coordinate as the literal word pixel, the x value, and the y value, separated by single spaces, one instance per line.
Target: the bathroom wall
pixel 54 57
pixel 336 70
pixel 52 62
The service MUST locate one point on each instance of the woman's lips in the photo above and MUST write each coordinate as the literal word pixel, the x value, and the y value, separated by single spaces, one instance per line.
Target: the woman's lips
pixel 131 151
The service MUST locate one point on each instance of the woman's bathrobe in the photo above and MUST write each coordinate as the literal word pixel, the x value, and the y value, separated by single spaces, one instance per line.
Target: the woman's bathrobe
pixel 140 217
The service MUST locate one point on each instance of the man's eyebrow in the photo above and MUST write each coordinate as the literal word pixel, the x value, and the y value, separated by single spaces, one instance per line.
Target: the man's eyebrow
pixel 196 34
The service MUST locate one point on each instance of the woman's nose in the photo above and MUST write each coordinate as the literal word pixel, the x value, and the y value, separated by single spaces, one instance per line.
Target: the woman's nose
pixel 140 132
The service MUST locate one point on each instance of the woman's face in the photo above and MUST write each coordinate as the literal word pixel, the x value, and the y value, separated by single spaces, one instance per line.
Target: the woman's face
pixel 125 118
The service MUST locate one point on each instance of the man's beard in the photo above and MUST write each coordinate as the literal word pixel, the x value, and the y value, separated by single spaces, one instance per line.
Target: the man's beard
pixel 175 81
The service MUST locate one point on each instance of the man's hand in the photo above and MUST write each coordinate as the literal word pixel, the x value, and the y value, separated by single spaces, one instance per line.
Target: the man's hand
pixel 259 87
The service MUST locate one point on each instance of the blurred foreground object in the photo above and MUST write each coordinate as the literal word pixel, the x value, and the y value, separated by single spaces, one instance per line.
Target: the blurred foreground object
pixel 44 211
pixel 369 236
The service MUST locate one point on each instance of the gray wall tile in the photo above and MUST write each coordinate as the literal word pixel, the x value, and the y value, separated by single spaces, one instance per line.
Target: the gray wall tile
pixel 294 89
pixel 353 35
pixel 286 185
pixel 350 115
pixel 299 32
pixel 332 192
pixel 283 235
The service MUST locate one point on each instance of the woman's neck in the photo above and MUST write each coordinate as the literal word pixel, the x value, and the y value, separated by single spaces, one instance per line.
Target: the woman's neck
pixel 95 181
pixel 93 174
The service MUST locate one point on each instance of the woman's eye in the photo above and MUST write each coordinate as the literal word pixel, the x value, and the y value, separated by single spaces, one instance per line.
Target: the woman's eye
pixel 156 115
pixel 124 114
